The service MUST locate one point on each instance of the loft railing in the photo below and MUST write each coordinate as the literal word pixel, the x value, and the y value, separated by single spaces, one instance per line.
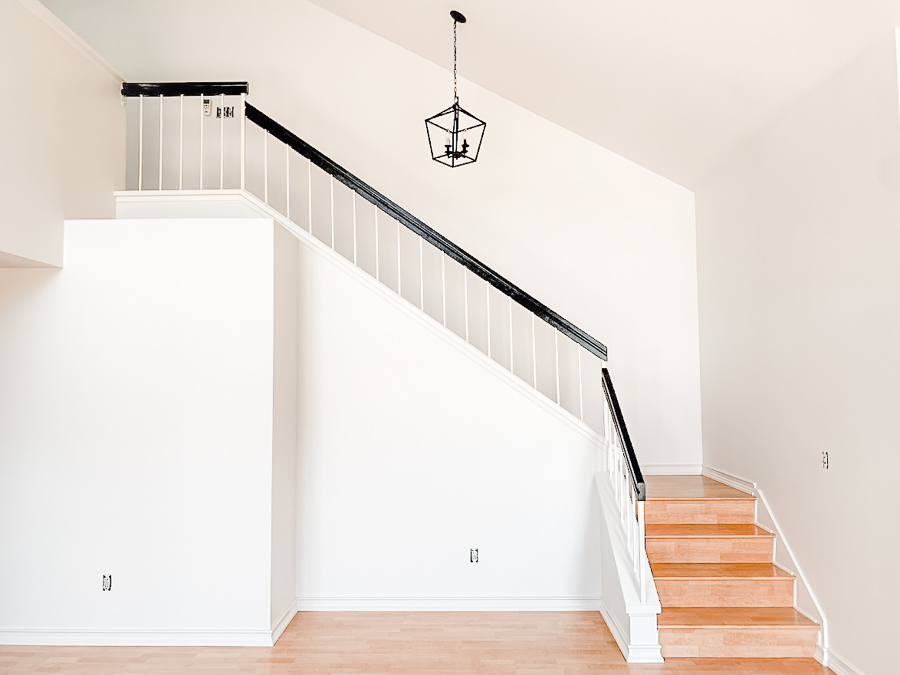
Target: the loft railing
pixel 194 136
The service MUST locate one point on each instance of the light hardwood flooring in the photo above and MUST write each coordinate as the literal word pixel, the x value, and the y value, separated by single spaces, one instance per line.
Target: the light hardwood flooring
pixel 419 643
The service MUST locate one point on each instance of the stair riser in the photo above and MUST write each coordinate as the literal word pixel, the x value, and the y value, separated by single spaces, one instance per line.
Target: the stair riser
pixel 712 550
pixel 744 642
pixel 726 592
pixel 700 511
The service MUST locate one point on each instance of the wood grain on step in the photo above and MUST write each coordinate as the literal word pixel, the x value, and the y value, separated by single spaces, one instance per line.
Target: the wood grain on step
pixel 690 487
pixel 737 543
pixel 753 642
pixel 694 617
pixel 699 511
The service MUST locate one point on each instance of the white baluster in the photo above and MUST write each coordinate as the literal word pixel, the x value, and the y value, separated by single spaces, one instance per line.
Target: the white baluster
pixel 353 198
pixel 511 337
pixel 377 271
pixel 159 183
pixel 266 167
pixel 181 146
pixel 533 354
pixel 222 142
pixel 399 271
pixel 201 141
pixel 309 194
pixel 421 278
pixel 466 298
pixel 243 139
pixel 287 181
pixel 331 196
pixel 580 385
pixel 444 288
pixel 487 311
pixel 556 349
pixel 141 142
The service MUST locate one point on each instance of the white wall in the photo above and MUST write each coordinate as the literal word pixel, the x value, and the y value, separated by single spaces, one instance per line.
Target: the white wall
pixel 64 146
pixel 797 241
pixel 411 453
pixel 604 242
pixel 284 425
pixel 136 435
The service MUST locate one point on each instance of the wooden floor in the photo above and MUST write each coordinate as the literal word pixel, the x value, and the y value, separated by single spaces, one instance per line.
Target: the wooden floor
pixel 420 643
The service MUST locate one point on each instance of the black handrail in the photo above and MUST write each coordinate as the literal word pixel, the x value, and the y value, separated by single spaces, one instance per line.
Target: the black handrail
pixel 437 240
pixel 185 88
pixel 634 469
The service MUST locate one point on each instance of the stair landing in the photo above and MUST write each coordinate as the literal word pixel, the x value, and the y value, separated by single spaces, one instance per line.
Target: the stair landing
pixel 721 594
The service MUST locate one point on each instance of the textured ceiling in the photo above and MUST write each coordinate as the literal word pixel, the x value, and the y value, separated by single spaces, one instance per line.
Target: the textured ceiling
pixel 673 86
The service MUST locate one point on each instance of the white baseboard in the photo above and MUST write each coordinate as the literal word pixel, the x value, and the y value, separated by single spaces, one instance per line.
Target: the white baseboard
pixel 448 604
pixel 283 622
pixel 839 665
pixel 671 469
pixel 136 638
pixel 730 480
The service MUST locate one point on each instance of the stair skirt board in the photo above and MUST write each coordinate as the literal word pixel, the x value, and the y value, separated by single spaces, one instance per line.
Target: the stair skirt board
pixel 784 557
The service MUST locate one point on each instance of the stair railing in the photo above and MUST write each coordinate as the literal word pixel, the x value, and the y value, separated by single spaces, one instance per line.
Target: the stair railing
pixel 194 137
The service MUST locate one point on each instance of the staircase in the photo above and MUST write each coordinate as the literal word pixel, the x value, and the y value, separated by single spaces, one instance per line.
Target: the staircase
pixel 720 592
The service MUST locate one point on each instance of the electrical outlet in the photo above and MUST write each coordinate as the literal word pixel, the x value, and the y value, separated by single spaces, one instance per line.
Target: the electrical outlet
pixel 473 555
pixel 107 582
pixel 824 460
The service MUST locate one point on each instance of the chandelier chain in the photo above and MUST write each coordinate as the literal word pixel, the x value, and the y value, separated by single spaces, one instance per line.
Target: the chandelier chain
pixel 455 95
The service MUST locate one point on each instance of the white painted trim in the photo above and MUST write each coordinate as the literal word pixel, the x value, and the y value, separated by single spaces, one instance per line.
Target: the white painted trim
pixel 135 637
pixel 671 469
pixel 730 480
pixel 283 622
pixel 388 295
pixel 632 653
pixel 76 41
pixel 510 604
pixel 838 664
pixel 615 628
pixel 752 488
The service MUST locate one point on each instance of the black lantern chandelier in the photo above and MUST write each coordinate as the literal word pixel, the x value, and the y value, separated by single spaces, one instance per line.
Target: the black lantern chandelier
pixel 454 134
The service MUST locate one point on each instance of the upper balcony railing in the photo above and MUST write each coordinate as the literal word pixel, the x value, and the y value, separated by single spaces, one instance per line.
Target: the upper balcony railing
pixel 194 136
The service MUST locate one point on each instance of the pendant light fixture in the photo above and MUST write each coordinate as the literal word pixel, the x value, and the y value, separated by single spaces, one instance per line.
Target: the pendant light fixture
pixel 454 134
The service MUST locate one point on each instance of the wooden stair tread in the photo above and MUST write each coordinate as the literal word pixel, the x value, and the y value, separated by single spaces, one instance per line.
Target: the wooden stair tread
pixel 705 531
pixel 718 571
pixel 669 488
pixel 746 617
